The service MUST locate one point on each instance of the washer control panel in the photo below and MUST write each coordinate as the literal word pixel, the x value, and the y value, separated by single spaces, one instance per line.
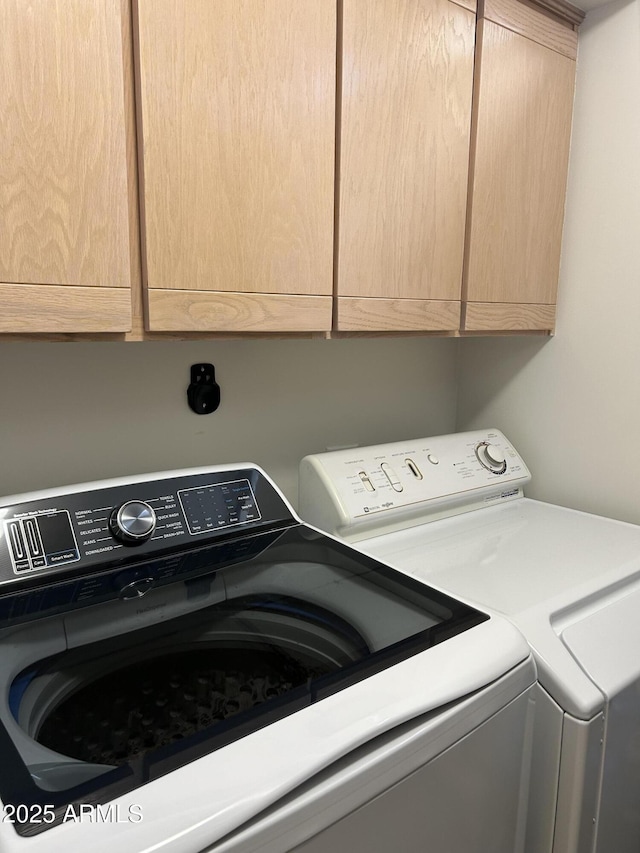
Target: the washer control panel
pixel 125 523
pixel 353 492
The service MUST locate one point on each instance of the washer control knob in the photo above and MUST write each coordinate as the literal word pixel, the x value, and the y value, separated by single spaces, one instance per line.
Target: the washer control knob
pixel 133 522
pixel 491 457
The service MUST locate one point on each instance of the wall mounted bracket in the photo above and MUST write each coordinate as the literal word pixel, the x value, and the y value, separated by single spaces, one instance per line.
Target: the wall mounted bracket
pixel 203 394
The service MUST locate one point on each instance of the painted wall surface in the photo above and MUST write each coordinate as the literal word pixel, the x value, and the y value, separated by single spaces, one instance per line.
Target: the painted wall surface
pixel 76 412
pixel 571 405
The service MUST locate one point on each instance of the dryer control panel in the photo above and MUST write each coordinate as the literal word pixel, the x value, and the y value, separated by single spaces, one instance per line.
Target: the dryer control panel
pixel 359 492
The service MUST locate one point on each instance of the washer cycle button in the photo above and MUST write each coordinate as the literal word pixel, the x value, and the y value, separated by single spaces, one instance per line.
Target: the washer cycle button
pixel 133 522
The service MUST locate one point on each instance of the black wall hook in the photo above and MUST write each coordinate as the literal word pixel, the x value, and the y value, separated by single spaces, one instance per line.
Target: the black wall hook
pixel 203 394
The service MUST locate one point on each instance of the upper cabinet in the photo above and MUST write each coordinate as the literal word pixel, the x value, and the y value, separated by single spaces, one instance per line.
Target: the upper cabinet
pixel 302 165
pixel 237 139
pixel 64 206
pixel 524 86
pixel 403 149
pixel 434 182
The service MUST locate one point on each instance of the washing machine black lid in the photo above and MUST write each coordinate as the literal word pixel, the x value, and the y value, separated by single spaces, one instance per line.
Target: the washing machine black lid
pixel 383 617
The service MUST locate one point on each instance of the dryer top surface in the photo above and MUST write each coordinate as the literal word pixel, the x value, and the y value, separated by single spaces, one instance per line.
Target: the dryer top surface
pixel 545 567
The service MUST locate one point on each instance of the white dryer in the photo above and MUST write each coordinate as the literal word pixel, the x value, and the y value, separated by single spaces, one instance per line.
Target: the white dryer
pixel 185 666
pixel 451 511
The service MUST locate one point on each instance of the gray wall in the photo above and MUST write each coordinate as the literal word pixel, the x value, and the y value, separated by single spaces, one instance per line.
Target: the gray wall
pixel 76 412
pixel 572 404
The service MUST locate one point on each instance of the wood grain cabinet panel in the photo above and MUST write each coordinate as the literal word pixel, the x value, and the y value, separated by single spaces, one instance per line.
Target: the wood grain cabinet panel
pixel 397 315
pixel 237 139
pixel 520 150
pixel 404 125
pixel 64 215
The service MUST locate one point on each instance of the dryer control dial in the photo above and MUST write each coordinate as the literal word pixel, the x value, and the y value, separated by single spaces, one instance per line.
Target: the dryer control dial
pixel 133 522
pixel 491 457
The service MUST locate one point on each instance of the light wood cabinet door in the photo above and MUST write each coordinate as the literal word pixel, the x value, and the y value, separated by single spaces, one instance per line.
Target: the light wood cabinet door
pixel 525 76
pixel 237 138
pixel 64 214
pixel 404 126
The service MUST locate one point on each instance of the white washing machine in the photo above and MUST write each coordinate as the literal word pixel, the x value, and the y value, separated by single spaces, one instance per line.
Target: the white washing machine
pixel 451 511
pixel 185 666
